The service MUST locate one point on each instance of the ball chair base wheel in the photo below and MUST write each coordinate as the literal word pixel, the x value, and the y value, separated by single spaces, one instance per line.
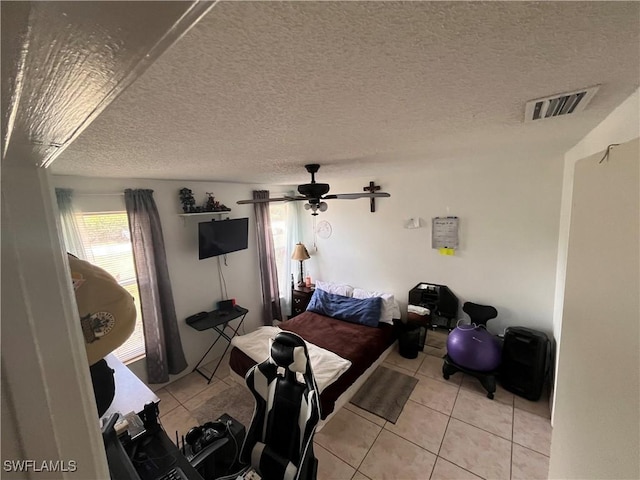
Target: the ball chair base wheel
pixel 448 368
pixel 486 379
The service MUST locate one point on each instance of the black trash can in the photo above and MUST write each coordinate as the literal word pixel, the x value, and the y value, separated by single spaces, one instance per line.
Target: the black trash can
pixel 409 340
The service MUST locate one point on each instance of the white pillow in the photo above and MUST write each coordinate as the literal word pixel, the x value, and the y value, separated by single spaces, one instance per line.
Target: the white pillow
pixel 396 310
pixel 336 288
pixel 388 303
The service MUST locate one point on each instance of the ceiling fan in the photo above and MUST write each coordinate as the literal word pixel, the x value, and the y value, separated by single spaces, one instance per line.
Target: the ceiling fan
pixel 316 194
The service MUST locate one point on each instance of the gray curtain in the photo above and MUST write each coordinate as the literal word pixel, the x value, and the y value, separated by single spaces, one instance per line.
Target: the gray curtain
pixel 162 337
pixel 70 229
pixel 267 258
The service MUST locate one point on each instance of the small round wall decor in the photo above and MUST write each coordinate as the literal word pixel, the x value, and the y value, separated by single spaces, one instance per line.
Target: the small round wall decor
pixel 324 229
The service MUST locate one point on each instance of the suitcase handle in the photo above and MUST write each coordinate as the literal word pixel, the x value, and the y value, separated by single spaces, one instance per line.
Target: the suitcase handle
pixel 523 339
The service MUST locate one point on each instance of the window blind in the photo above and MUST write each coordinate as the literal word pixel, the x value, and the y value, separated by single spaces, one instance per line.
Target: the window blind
pixel 107 239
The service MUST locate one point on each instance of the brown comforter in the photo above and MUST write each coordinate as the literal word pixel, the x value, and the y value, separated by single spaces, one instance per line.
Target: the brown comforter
pixel 360 344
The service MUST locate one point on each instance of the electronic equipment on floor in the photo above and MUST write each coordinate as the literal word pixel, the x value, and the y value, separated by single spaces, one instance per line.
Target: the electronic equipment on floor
pixel 213 448
pixel 207 451
pixel 526 359
pixel 202 436
pixel 150 456
pixel 138 448
pixel 439 299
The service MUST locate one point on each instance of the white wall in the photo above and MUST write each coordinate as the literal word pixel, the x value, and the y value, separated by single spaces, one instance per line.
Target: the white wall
pixel 597 394
pixel 196 284
pixel 620 126
pixel 46 388
pixel 509 214
pixel 597 408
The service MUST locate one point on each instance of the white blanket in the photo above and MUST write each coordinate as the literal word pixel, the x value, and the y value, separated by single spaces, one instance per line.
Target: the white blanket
pixel 326 365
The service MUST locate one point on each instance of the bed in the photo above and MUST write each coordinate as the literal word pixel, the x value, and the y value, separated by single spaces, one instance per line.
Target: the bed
pixel 364 346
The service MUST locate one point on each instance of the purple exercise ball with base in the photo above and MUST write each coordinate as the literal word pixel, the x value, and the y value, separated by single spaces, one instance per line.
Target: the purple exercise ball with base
pixel 474 348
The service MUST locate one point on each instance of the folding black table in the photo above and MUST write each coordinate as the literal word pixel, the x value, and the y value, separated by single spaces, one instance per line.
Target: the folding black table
pixel 218 320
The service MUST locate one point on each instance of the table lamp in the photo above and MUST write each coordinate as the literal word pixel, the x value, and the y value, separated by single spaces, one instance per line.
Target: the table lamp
pixel 300 253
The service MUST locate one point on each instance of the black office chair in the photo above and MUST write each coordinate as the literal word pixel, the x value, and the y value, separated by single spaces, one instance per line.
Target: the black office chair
pixel 279 444
pixel 479 314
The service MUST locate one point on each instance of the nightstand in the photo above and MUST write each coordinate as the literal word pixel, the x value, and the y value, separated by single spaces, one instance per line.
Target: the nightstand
pixel 300 298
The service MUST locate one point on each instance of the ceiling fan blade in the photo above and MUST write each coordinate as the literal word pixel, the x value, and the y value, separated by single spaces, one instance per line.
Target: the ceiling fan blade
pixel 263 200
pixel 296 198
pixel 353 196
pixel 278 199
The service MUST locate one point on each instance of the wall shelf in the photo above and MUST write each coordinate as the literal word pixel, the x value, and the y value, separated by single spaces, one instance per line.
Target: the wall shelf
pixel 199 214
pixel 203 213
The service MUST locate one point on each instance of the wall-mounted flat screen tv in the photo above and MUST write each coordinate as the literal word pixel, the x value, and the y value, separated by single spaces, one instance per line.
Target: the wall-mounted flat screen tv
pixel 222 236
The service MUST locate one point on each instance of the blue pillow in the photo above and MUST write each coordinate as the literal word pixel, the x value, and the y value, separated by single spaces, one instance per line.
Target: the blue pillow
pixel 365 311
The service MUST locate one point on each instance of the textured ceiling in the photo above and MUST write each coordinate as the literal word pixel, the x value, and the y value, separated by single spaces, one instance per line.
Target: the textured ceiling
pixel 257 89
pixel 64 62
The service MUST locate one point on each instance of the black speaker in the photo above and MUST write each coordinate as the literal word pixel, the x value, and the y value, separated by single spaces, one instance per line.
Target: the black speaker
pixel 526 358
pixel 226 305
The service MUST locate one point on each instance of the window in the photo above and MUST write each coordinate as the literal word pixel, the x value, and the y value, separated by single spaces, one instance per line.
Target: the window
pixel 107 241
pixel 278 214
pixel 285 233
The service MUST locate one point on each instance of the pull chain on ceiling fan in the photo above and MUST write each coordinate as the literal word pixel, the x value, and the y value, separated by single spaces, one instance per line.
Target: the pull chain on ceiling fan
pixel 315 194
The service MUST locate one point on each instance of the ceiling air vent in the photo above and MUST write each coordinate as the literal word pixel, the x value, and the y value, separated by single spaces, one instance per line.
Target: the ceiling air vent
pixel 559 104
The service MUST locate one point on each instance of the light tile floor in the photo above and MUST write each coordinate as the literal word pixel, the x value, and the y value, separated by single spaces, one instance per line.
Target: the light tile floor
pixel 447 430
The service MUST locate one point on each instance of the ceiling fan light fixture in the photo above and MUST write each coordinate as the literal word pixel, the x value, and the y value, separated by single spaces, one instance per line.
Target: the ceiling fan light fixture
pixel 315 206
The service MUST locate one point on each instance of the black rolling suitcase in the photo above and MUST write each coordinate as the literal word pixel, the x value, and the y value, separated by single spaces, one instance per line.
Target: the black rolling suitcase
pixel 526 359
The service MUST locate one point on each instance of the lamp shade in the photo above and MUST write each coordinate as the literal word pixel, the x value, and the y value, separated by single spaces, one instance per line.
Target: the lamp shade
pixel 300 252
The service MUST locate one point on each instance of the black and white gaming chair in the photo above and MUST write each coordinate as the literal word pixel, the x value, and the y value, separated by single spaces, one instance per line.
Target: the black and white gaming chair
pixel 279 443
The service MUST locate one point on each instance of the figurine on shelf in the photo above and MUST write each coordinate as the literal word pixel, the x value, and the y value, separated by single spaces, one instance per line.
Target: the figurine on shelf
pixel 187 200
pixel 210 204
